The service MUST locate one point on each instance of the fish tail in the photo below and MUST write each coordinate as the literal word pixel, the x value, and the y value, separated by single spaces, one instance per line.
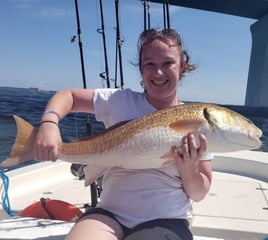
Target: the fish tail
pixel 22 149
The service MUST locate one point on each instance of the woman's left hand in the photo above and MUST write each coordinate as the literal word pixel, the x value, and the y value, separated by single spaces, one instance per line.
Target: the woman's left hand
pixel 195 174
pixel 189 157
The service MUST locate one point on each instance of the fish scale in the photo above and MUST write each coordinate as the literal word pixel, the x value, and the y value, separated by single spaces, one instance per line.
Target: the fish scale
pixel 118 136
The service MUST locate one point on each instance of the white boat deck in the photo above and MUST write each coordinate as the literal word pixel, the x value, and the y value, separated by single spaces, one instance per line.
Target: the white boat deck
pixel 236 207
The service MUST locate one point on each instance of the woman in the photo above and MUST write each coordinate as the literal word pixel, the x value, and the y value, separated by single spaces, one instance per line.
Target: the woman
pixel 137 204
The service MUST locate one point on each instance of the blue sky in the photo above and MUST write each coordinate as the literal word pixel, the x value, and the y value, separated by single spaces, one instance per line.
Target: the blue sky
pixel 36 51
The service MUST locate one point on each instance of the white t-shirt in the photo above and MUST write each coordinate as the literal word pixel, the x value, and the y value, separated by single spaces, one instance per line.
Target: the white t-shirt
pixel 136 196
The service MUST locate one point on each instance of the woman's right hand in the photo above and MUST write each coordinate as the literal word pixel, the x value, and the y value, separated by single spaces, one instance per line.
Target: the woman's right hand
pixel 47 142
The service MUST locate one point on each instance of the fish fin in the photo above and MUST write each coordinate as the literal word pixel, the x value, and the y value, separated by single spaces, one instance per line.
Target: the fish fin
pixel 92 173
pixel 186 126
pixel 22 149
pixel 169 158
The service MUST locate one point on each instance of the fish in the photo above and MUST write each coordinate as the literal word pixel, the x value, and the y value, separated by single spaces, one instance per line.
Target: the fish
pixel 145 142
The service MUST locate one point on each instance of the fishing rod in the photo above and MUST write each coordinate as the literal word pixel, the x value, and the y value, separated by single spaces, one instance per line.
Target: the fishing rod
pixel 166 14
pixel 80 44
pixel 119 43
pixel 77 169
pixel 146 14
pixel 104 75
pixel 88 124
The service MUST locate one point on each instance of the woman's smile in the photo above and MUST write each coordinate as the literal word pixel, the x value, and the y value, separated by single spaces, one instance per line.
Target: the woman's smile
pixel 159 82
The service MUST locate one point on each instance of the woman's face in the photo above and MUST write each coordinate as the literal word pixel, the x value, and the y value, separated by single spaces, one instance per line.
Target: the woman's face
pixel 161 70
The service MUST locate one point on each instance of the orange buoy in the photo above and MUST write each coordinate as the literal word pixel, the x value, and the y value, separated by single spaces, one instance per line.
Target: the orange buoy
pixel 52 209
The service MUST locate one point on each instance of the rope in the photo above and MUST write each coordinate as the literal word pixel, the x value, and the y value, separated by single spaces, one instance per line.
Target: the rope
pixel 5 198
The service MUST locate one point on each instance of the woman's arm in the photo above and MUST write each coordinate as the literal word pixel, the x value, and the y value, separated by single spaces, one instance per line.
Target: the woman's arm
pixel 63 102
pixel 71 100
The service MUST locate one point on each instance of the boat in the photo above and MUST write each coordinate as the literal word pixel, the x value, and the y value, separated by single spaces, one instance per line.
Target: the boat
pixel 236 206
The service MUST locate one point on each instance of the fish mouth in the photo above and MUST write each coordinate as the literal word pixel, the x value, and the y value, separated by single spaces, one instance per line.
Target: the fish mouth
pixel 255 136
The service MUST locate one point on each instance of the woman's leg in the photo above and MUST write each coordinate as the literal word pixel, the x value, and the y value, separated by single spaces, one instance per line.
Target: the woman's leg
pixel 96 227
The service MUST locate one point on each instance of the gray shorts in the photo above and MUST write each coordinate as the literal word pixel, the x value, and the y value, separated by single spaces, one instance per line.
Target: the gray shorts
pixel 159 229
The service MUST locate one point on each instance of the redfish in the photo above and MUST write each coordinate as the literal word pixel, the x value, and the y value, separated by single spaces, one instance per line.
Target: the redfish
pixel 146 142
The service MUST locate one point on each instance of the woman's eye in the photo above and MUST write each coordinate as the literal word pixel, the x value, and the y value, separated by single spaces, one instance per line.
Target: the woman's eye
pixel 168 63
pixel 149 65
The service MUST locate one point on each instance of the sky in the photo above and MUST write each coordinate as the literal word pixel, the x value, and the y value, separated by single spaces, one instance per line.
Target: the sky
pixel 36 48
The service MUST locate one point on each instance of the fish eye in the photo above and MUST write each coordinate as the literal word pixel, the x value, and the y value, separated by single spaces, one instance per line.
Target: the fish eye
pixel 249 121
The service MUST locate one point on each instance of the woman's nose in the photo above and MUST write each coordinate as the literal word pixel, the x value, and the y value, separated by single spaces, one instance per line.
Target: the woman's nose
pixel 158 69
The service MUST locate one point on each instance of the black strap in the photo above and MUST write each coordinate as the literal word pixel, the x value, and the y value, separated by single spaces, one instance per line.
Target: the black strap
pixel 43 203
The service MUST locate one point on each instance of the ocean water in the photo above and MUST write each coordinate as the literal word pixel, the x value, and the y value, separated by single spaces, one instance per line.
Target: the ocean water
pixel 30 103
